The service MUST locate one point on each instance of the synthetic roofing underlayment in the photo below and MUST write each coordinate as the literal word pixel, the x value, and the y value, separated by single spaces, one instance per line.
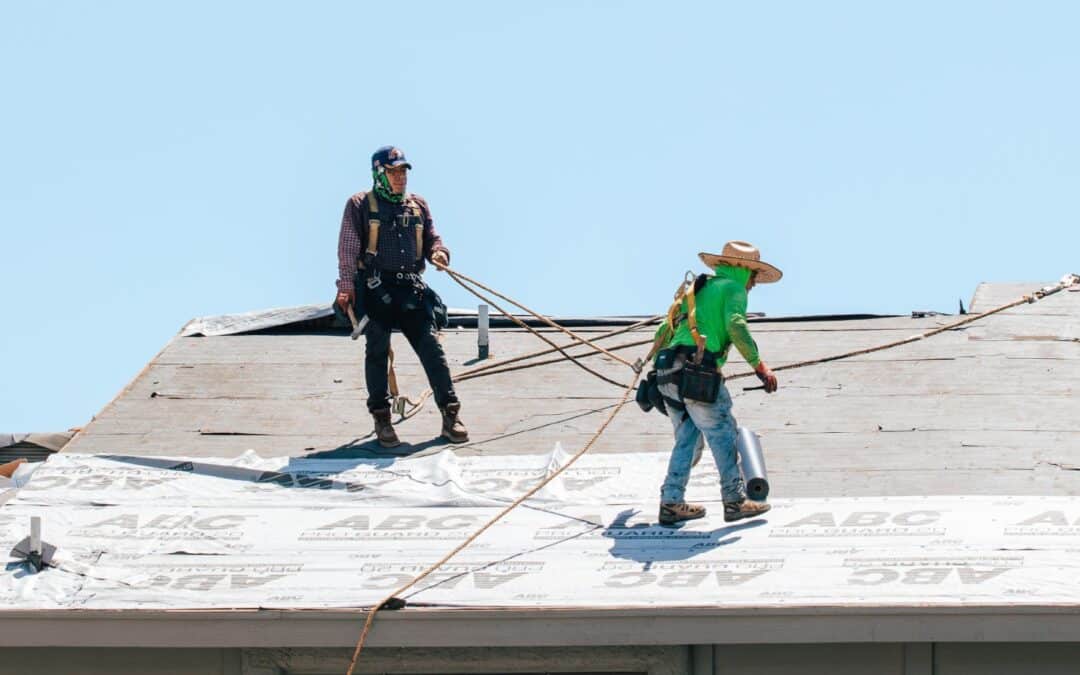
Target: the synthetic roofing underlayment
pixel 237 472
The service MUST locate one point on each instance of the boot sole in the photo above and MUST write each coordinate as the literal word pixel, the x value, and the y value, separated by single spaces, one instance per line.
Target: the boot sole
pixel 386 444
pixel 455 440
pixel 680 520
pixel 744 516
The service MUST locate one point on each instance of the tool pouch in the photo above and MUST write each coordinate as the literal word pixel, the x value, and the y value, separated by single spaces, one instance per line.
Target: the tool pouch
pixel 700 382
pixel 643 399
pixel 649 396
pixel 669 366
pixel 436 308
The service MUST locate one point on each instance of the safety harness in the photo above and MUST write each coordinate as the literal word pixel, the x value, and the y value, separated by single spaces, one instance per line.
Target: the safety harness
pixel 687 291
pixel 412 207
pixel 678 375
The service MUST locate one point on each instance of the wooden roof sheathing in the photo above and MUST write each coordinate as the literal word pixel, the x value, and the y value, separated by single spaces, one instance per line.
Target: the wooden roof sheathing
pixel 987 409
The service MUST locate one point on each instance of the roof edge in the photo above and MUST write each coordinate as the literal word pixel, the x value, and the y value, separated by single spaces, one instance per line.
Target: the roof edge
pixel 422 627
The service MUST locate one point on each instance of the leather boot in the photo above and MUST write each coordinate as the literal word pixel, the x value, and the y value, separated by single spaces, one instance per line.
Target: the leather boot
pixel 452 428
pixel 745 509
pixel 676 512
pixel 384 429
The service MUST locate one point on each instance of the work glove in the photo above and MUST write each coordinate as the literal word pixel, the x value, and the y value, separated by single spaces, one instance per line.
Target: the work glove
pixel 765 374
pixel 345 299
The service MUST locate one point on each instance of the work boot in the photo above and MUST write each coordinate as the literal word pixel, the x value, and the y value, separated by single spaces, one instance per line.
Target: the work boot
pixel 384 428
pixel 452 428
pixel 676 512
pixel 745 509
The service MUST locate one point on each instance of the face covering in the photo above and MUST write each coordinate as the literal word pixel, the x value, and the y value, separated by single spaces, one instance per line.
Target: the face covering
pixel 383 189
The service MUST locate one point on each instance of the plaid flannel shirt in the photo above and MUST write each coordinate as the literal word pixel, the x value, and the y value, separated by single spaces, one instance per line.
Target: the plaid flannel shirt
pixel 351 246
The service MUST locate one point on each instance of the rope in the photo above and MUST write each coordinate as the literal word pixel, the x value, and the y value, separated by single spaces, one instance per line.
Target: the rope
pixel 499 367
pixel 460 278
pixel 455 276
pixel 471 376
pixel 574 343
pixel 1066 282
pixel 460 547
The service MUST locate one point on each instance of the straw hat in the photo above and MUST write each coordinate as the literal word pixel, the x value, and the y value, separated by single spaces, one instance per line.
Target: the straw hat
pixel 743 254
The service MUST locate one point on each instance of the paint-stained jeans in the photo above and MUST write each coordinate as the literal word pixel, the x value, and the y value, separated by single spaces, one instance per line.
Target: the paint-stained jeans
pixel 714 420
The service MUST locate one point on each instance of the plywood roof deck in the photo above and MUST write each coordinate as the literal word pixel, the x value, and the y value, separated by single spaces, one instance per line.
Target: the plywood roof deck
pixel 988 409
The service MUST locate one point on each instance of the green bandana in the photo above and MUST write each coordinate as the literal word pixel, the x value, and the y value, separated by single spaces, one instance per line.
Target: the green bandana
pixel 383 189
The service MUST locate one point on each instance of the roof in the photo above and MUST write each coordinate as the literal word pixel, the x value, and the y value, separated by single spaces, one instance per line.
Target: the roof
pixel 299 510
pixel 990 403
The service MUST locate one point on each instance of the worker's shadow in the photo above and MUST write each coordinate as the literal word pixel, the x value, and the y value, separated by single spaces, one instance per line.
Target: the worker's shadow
pixel 652 542
pixel 369 448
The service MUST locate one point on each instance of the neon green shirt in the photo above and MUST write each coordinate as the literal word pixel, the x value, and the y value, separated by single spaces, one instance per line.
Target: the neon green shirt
pixel 721 317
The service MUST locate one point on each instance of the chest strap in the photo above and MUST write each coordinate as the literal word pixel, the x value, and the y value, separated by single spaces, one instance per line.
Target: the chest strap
pixel 373 224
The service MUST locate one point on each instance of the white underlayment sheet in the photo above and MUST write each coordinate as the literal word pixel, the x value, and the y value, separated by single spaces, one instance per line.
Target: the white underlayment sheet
pixel 252 532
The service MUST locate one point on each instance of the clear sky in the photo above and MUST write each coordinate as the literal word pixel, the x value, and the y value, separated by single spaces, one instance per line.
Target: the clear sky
pixel 161 161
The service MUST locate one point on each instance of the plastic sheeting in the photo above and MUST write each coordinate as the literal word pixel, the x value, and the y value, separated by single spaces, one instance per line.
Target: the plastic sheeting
pixel 253 532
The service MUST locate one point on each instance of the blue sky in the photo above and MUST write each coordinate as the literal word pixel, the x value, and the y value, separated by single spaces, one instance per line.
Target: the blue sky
pixel 162 161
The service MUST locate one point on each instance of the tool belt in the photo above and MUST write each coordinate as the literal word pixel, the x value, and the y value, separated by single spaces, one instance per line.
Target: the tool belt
pixel 389 294
pixel 682 373
pixel 400 278
pixel 680 379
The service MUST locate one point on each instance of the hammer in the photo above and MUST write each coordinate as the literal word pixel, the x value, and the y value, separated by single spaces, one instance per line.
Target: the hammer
pixel 357 326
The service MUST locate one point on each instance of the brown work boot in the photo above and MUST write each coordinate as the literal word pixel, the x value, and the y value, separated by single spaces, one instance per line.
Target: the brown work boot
pixel 452 428
pixel 745 509
pixel 384 428
pixel 676 512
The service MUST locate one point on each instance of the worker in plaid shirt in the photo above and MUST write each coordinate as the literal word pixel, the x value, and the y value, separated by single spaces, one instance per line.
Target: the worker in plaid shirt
pixel 386 236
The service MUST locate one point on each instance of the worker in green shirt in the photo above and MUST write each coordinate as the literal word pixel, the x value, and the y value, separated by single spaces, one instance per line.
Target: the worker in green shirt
pixel 694 344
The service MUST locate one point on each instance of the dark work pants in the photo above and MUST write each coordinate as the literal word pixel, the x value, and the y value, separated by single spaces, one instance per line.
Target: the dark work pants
pixel 419 330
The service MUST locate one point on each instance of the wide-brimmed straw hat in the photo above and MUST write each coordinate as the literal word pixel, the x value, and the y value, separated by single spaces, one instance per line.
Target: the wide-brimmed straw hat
pixel 743 254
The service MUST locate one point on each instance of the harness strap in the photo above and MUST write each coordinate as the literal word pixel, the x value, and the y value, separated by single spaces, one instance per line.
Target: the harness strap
pixel 373 224
pixel 691 317
pixel 674 318
pixel 413 206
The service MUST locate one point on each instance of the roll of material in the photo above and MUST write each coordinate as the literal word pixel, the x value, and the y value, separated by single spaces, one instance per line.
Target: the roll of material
pixel 752 464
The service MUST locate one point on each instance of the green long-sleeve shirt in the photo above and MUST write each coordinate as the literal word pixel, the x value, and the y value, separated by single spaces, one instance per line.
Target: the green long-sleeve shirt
pixel 721 317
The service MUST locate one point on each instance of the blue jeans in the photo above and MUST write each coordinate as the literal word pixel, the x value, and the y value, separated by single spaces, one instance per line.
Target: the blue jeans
pixel 714 420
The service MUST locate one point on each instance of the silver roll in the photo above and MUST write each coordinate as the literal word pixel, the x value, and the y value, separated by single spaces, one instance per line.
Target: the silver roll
pixel 752 464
